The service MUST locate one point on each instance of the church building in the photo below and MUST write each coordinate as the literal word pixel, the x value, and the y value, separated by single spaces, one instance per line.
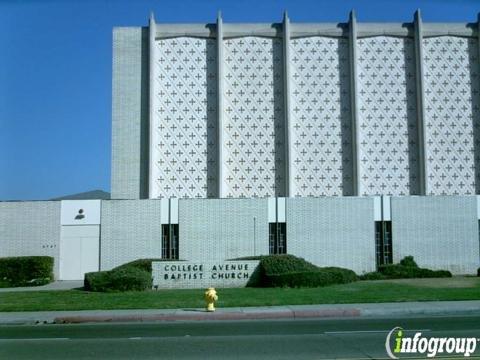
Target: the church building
pixel 348 144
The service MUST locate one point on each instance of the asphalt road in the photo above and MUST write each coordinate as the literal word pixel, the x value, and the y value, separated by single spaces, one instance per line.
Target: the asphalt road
pixel 295 339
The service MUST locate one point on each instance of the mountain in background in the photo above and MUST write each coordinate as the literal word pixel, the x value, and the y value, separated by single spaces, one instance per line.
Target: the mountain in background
pixel 88 195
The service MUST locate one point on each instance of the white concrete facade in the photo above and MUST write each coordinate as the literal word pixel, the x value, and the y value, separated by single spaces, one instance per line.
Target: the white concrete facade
pixel 296 110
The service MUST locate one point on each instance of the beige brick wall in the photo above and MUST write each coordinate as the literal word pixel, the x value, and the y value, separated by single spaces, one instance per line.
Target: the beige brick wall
pixel 441 232
pixel 30 228
pixel 332 231
pixel 130 230
pixel 221 229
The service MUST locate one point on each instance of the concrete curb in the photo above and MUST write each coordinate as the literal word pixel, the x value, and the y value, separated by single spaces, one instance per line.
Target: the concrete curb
pixel 380 310
pixel 208 316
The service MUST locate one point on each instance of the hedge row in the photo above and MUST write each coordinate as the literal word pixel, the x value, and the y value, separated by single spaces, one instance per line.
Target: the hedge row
pixel 26 271
pixel 283 264
pixel 142 264
pixel 133 276
pixel 273 271
pixel 320 277
pixel 406 269
pixel 123 279
pixel 397 271
pixel 291 271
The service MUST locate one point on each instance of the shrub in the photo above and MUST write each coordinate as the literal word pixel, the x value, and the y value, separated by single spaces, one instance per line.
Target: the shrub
pixel 125 278
pixel 133 276
pixel 96 281
pixel 408 261
pixel 275 265
pixel 292 271
pixel 375 275
pixel 320 277
pixel 26 271
pixel 279 264
pixel 441 273
pixel 282 264
pixel 257 279
pixel 408 268
pixel 478 272
pixel 142 264
pixel 129 279
pixel 397 271
pixel 341 275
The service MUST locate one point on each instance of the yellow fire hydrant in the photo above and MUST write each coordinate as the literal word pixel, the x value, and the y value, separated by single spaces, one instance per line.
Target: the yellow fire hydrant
pixel 210 298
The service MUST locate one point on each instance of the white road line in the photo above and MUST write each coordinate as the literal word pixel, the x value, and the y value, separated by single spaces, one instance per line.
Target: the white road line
pixel 368 331
pixel 36 339
pixel 134 338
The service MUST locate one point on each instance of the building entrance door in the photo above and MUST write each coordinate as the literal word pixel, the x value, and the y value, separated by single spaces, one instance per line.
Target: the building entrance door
pixel 79 251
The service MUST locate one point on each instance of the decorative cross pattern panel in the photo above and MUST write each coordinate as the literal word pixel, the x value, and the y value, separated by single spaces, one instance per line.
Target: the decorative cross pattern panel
pixel 452 113
pixel 320 118
pixel 387 145
pixel 185 117
pixel 253 118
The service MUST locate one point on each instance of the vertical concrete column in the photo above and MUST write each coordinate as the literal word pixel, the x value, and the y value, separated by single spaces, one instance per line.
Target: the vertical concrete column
pixel 220 122
pixel 352 35
pixel 475 133
pixel 151 61
pixel 422 160
pixel 287 104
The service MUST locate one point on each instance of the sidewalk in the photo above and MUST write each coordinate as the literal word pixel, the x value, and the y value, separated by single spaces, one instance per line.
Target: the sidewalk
pixel 56 285
pixel 388 310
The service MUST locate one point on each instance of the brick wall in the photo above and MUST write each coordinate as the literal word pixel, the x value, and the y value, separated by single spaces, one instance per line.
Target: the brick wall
pixel 441 232
pixel 130 113
pixel 332 231
pixel 130 230
pixel 30 228
pixel 220 229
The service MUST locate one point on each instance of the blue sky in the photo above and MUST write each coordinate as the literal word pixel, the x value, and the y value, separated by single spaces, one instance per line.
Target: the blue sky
pixel 55 75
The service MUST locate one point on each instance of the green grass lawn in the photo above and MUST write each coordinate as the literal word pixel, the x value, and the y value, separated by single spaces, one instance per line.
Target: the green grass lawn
pixel 358 292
